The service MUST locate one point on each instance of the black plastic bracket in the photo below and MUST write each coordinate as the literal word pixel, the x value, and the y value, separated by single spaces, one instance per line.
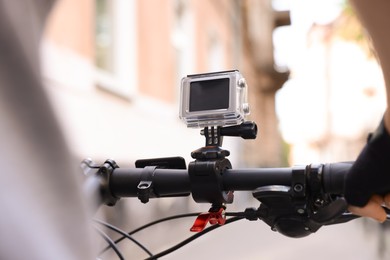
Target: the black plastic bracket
pixel 298 189
pixel 104 172
pixel 163 163
pixel 298 182
pixel 145 186
pixel 206 181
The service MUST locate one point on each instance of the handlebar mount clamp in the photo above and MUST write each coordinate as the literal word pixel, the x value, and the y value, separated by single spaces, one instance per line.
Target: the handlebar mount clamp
pixel 206 181
pixel 206 171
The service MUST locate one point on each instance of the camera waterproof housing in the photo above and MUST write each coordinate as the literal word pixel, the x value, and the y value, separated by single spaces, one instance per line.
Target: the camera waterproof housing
pixel 213 99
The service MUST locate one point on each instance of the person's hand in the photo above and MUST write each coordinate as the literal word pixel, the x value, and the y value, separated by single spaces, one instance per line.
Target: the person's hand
pixel 373 209
pixel 370 175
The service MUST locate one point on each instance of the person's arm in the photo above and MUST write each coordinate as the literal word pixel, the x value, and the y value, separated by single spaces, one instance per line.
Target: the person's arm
pixel 368 182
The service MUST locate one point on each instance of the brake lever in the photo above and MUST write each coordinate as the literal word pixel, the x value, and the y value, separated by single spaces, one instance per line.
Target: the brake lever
pixel 344 218
pixel 331 212
pixel 348 216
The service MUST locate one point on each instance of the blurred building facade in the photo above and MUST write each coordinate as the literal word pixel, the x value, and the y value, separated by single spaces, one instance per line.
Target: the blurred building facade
pixel 335 96
pixel 113 69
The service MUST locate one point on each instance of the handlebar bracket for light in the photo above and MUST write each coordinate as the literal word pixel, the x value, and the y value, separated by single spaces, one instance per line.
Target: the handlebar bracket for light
pixel 145 189
pixel 145 186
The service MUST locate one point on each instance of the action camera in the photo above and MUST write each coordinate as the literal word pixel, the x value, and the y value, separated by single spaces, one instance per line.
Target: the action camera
pixel 213 99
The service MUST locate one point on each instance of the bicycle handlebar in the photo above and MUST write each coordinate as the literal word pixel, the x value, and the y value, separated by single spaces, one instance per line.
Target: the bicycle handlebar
pixel 166 182
pixel 334 175
pixel 124 182
pixel 294 201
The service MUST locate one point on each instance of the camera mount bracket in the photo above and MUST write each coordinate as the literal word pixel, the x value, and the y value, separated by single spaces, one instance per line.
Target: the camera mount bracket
pixel 214 139
pixel 210 163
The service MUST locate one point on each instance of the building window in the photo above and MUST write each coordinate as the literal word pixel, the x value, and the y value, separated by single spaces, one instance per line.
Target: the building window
pixel 215 55
pixel 182 39
pixel 104 35
pixel 115 46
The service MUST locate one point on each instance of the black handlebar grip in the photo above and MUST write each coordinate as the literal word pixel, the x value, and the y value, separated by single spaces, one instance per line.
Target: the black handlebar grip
pixel 334 175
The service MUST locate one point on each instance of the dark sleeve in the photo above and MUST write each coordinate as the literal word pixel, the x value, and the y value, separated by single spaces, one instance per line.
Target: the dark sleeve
pixel 370 174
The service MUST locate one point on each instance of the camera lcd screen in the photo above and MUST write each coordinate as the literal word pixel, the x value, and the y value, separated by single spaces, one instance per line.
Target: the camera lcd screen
pixel 209 95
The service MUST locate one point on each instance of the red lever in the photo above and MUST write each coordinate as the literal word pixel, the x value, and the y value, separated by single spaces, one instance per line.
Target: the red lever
pixel 214 216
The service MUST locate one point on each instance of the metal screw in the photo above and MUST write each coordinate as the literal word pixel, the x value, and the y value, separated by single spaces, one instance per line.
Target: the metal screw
pixel 300 211
pixel 245 108
pixel 298 187
pixel 242 83
pixel 319 202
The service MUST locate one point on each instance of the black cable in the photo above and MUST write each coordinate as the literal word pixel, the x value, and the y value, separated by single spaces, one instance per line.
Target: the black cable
pixel 151 224
pixel 241 214
pixel 124 234
pixel 111 243
pixel 163 220
pixel 192 238
pixel 238 215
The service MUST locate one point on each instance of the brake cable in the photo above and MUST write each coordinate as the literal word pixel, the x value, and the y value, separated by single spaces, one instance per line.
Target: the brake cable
pixel 112 244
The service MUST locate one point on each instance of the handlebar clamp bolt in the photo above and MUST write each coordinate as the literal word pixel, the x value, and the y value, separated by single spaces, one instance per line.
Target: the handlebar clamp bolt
pixel 298 187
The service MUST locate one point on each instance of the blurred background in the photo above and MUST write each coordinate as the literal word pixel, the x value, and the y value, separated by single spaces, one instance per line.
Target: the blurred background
pixel 113 68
